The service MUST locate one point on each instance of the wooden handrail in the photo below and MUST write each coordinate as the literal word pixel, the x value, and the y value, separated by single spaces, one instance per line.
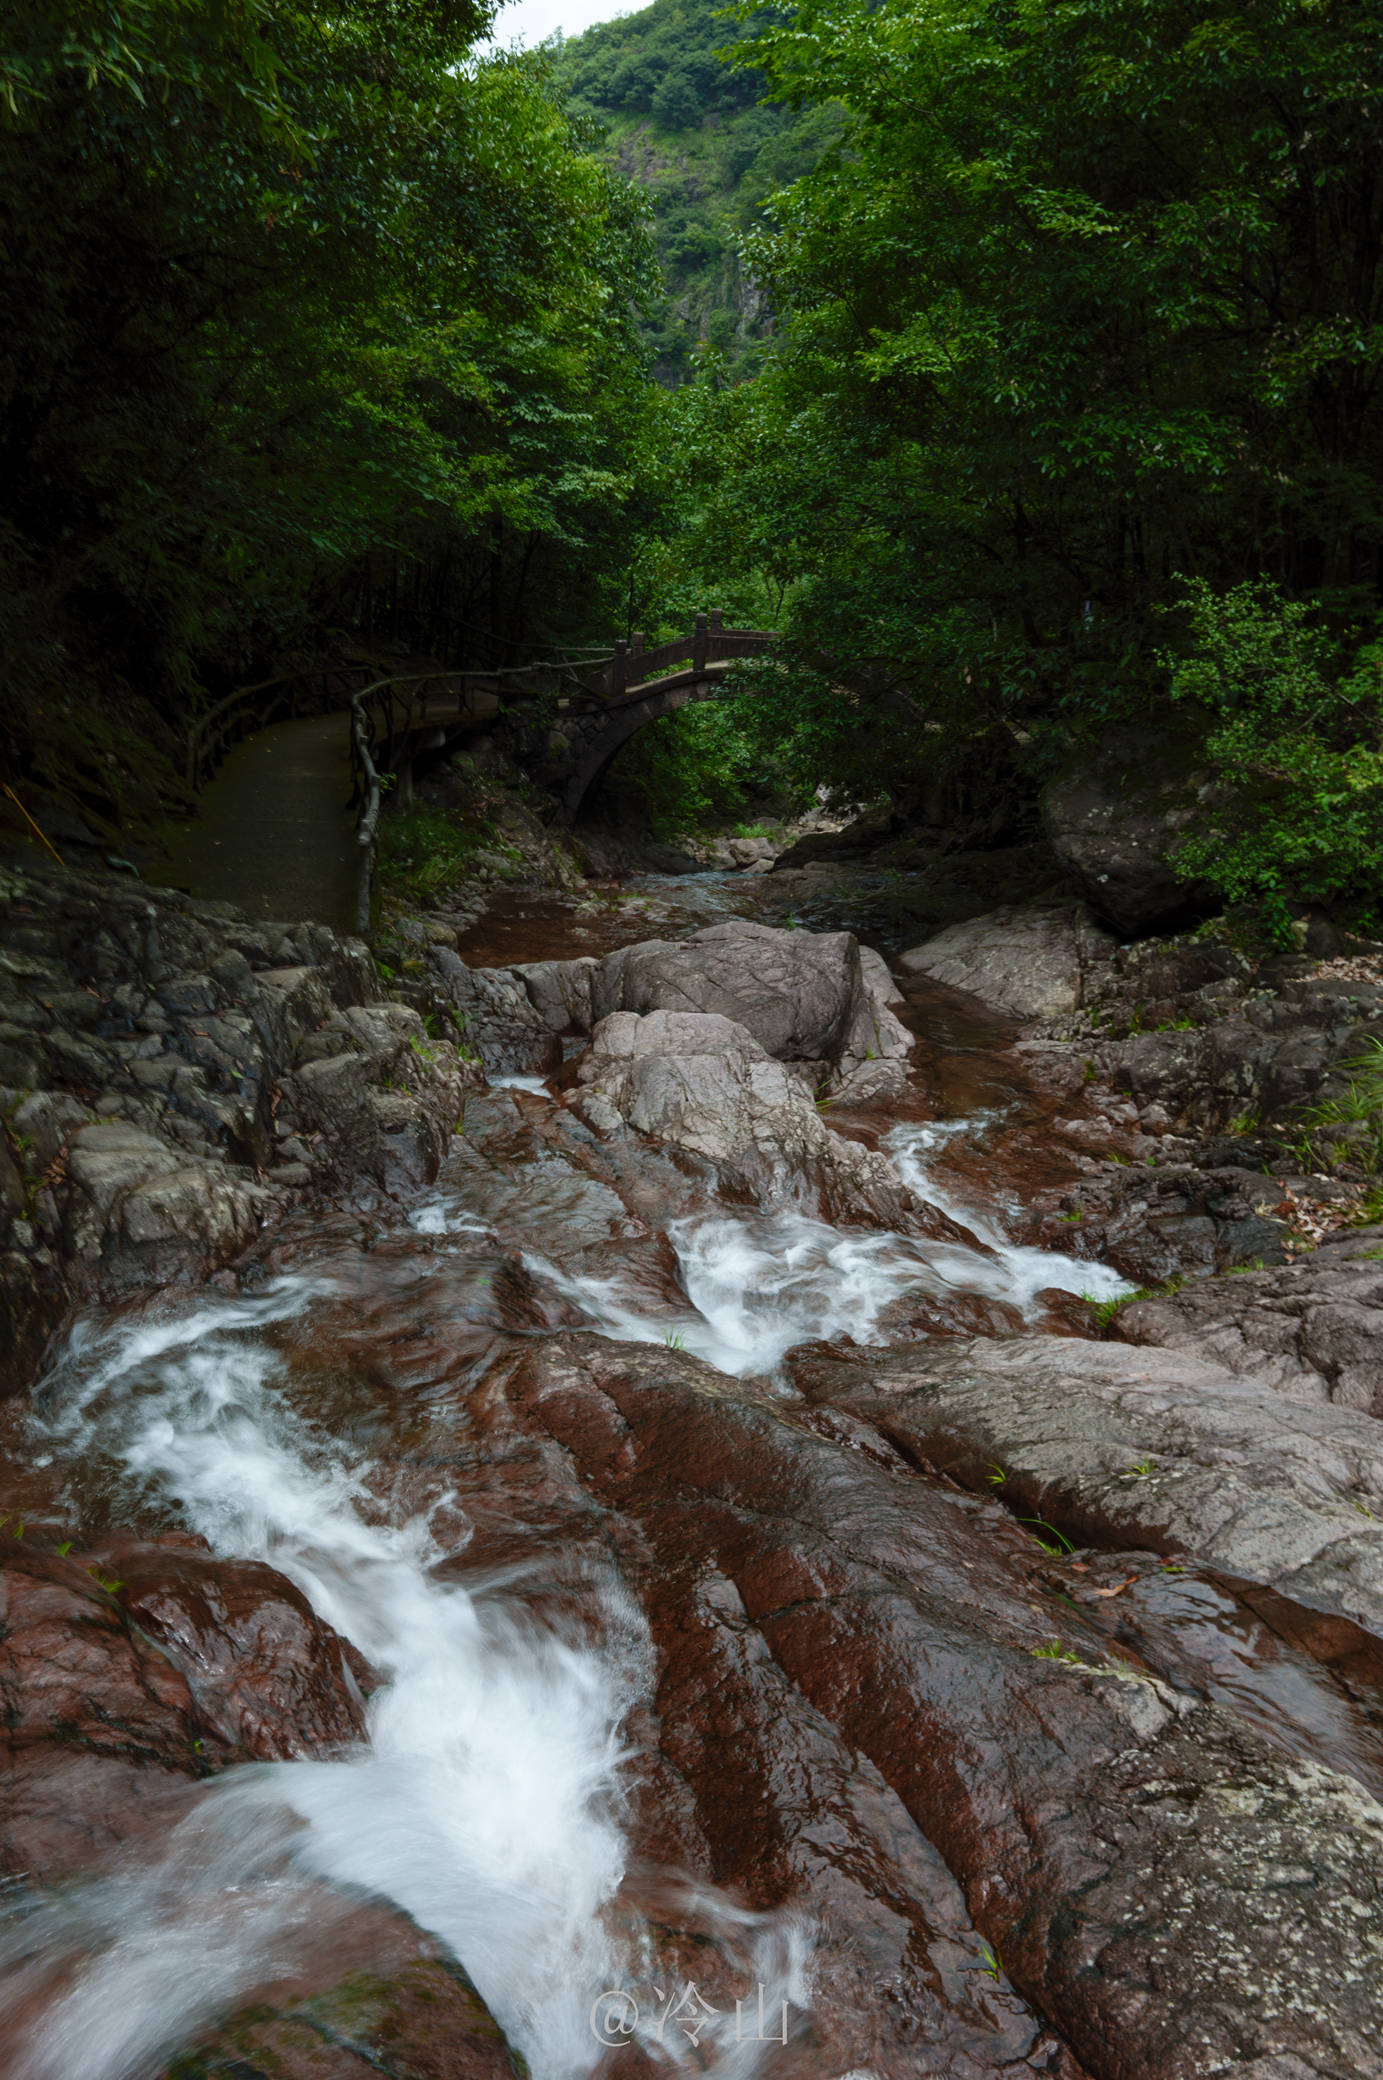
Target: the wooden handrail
pixel 384 705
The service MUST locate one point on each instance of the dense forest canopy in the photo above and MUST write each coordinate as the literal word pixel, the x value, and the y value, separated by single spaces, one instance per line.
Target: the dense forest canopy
pixel 302 308
pixel 1022 360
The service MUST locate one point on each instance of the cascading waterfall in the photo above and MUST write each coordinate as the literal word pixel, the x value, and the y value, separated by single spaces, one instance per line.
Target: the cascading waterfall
pixel 760 1283
pixel 485 1805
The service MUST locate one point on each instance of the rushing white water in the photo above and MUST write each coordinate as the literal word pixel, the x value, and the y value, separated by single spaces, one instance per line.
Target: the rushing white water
pixel 760 1283
pixel 1024 1271
pixel 485 1804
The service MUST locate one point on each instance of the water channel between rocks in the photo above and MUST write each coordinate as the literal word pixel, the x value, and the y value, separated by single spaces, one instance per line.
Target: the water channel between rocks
pixel 341 1420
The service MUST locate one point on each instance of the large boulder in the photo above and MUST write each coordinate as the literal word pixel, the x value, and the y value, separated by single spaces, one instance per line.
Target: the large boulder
pixel 701 1082
pixel 1115 817
pixel 1031 962
pixel 809 997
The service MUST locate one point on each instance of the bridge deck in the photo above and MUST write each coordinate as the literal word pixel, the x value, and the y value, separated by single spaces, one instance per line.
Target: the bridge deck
pixel 275 833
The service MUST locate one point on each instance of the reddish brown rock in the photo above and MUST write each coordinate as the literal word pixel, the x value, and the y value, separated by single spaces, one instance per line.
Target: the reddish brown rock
pixel 127 1672
pixel 1165 1887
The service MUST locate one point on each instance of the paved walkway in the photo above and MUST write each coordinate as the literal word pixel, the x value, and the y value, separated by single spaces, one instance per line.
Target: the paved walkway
pixel 274 834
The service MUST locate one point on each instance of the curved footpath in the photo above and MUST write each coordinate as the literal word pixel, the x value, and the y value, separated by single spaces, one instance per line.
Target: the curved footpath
pixel 275 833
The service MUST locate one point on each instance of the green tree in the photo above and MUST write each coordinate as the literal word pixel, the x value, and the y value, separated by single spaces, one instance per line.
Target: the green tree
pixel 311 321
pixel 1085 303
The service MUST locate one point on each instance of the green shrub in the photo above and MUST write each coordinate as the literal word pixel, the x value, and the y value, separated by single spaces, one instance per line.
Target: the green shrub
pixel 423 853
pixel 1296 737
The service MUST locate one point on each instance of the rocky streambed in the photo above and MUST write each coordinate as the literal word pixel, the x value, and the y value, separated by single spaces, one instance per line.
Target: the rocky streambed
pixel 586 1505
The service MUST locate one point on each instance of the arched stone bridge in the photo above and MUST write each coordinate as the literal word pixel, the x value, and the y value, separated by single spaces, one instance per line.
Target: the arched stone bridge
pixel 637 688
pixel 602 698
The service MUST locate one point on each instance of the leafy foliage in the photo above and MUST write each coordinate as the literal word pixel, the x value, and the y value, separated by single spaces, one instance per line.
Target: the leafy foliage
pixel 1298 745
pixel 1084 305
pixel 309 322
pixel 694 134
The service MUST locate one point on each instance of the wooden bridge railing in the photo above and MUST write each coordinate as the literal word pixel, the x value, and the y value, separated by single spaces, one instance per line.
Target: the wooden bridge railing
pixel 394 716
pixel 711 643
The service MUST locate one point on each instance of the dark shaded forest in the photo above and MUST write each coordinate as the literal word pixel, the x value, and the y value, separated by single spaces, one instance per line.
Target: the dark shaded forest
pixel 1022 364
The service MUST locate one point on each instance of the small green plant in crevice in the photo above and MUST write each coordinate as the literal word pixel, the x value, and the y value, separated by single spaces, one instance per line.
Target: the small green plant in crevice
pixel 1063 1547
pixel 1053 1650
pixel 996 1475
pixel 1071 1219
pixel 1143 1471
pixel 675 1340
pixel 1244 1123
pixel 990 1962
pixel 1238 1270
pixel 1104 1311
pixel 1360 1104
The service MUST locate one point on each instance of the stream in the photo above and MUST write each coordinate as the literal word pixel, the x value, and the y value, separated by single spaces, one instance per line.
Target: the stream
pixel 334 1418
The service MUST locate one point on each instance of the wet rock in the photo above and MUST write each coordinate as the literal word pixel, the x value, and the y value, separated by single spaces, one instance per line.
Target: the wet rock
pixel 1152 1448
pixel 1173 1220
pixel 1312 1330
pixel 744 1783
pixel 383 1094
pixel 510 1030
pixel 421 2021
pixel 1153 1874
pixel 145 1212
pixel 560 992
pixel 1115 818
pixel 1030 962
pixel 118 1687
pixel 805 996
pixel 704 1083
pixel 160 1044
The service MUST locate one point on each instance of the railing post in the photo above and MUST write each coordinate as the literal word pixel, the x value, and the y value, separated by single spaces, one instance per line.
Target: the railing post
pixel 699 644
pixel 619 671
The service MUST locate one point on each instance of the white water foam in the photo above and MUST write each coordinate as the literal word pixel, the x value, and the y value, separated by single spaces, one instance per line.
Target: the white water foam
pixel 1026 1271
pixel 485 1804
pixel 758 1284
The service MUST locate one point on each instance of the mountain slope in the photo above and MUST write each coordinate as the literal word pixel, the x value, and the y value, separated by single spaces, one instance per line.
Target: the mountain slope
pixel 692 130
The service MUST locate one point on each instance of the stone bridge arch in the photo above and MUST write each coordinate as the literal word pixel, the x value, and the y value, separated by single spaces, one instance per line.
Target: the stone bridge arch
pixel 597 734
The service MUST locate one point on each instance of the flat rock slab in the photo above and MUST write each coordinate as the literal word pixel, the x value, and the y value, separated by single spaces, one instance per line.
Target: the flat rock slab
pixel 1147 1448
pixel 1312 1330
